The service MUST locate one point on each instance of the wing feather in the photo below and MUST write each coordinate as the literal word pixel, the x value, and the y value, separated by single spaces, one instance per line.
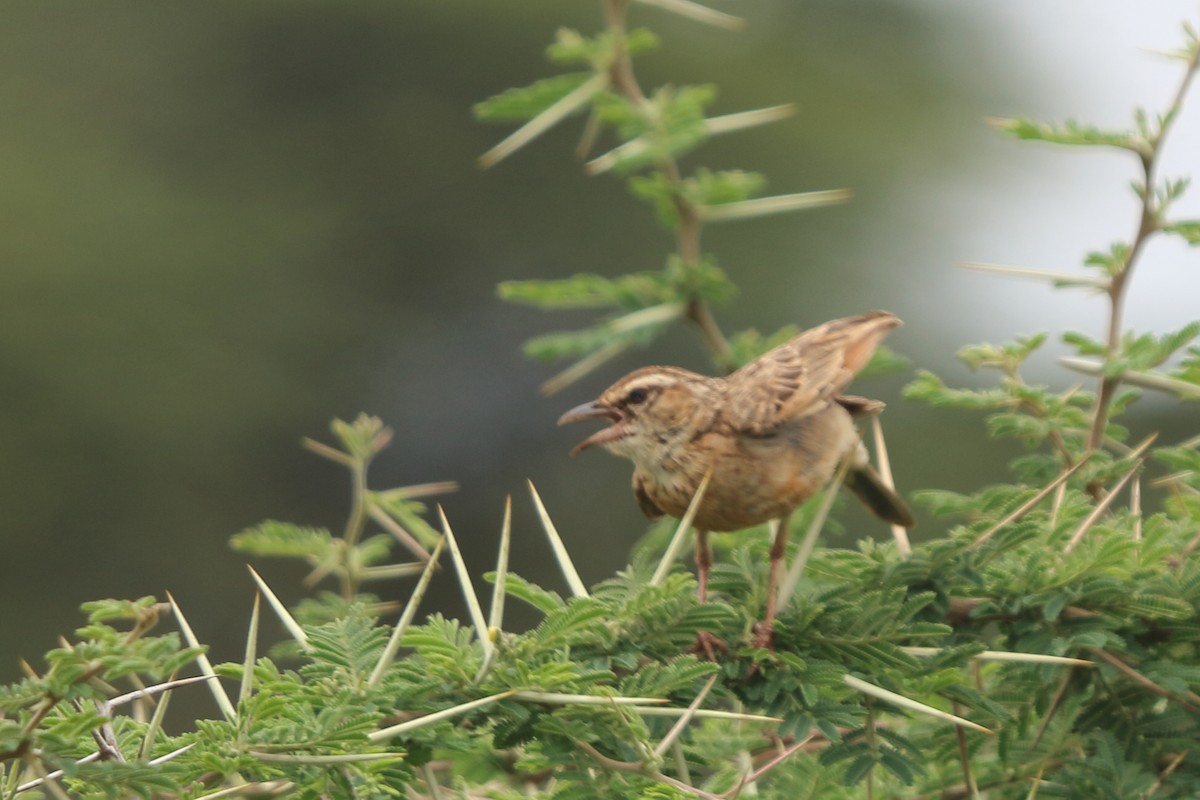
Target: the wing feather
pixel 805 374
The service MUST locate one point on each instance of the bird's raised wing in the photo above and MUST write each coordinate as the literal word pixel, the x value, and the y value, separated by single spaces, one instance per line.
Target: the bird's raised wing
pixel 803 375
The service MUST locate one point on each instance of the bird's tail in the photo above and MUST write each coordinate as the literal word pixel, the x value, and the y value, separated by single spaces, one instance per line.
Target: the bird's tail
pixel 883 502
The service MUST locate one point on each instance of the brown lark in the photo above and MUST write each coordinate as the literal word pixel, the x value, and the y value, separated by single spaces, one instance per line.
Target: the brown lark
pixel 774 433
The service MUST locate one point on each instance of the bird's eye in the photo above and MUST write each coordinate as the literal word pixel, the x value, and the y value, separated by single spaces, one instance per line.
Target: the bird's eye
pixel 635 396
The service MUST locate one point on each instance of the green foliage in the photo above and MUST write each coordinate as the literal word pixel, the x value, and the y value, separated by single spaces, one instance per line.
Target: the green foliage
pixel 1074 133
pixel 654 129
pixel 1188 229
pixel 666 126
pixel 644 304
pixel 353 557
pixel 571 47
pixel 630 292
pixel 273 538
pixel 543 702
pixel 703 189
pixel 529 101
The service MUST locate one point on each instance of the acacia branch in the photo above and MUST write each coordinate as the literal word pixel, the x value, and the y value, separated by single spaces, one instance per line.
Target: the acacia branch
pixel 1149 223
pixel 1189 700
pixel 690 226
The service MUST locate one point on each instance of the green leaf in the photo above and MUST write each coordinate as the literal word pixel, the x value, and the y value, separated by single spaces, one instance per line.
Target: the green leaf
pixel 372 550
pixel 572 47
pixel 900 765
pixel 659 679
pixel 1169 343
pixel 1085 345
pixel 667 126
pixel 1188 229
pixel 364 437
pixel 1019 426
pixel 1073 133
pixel 1111 262
pixel 283 539
pixel 702 280
pixel 1157 606
pixel 587 290
pixel 573 344
pixel 109 610
pixel 114 779
pixel 704 189
pixel 625 115
pixel 543 600
pixel 76 724
pixel 1006 357
pixel 858 768
pixel 348 647
pixel 1147 350
pixel 661 192
pixel 526 102
pixel 943 503
pixel 710 188
pixel 572 624
pixel 399 505
pixel 1189 367
pixel 1053 608
pixel 1180 459
pixel 930 389
pixel 274 538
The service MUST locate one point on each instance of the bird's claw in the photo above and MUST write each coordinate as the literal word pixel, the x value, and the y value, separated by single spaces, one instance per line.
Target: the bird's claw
pixel 708 644
pixel 764 636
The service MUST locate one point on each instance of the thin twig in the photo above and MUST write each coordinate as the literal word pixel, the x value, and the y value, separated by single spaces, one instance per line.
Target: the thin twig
pixel 1052 709
pixel 1148 224
pixel 1189 700
pixel 777 760
pixel 385 521
pixel 687 236
pixel 1166 773
pixel 641 769
pixel 1135 508
pixel 682 722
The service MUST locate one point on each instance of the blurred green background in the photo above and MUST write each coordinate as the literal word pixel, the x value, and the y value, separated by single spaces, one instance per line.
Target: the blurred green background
pixel 226 223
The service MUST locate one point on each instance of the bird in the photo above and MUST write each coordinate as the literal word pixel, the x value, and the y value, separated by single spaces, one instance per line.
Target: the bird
pixel 773 433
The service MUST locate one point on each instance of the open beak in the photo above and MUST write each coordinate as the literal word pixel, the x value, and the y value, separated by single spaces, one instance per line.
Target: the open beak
pixel 594 410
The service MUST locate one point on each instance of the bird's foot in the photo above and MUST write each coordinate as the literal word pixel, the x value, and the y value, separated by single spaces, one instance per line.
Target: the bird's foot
pixel 707 644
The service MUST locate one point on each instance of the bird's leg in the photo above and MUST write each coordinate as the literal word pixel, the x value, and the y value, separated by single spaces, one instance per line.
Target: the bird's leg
pixel 765 630
pixel 705 641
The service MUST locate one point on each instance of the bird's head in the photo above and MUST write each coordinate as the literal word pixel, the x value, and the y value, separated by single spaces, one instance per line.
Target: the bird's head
pixel 649 408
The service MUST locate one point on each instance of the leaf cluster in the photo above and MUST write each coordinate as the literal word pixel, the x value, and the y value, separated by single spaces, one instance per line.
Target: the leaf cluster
pixel 651 132
pixel 574 696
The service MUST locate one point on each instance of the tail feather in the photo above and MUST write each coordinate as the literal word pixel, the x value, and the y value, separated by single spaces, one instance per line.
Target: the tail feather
pixel 883 502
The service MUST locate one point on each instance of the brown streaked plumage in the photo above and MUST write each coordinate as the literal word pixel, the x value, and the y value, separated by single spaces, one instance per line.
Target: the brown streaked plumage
pixel 774 433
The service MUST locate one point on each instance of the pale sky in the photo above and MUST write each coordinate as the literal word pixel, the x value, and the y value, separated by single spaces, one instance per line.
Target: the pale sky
pixel 1038 205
